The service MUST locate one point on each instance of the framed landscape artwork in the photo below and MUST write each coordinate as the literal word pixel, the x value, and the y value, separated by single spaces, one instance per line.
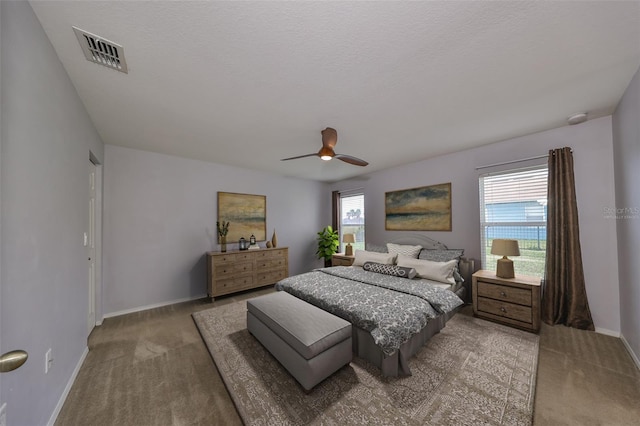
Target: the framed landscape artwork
pixel 246 213
pixel 427 208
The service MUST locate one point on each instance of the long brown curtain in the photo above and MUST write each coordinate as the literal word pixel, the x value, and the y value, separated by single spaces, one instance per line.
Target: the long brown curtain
pixel 565 298
pixel 335 210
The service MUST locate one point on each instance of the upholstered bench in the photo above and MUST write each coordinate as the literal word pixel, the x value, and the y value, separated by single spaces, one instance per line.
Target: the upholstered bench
pixel 310 343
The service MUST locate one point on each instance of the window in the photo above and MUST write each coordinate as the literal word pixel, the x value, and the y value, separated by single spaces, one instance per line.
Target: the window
pixel 352 218
pixel 513 204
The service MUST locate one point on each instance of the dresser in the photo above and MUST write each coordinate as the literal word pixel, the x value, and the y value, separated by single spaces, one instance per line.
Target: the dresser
pixel 511 301
pixel 235 271
pixel 341 259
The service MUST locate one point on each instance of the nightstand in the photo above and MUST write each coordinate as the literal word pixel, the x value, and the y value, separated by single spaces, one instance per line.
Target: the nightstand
pixel 511 301
pixel 341 259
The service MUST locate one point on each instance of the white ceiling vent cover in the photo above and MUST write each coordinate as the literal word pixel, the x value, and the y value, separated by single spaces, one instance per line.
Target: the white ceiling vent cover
pixel 101 51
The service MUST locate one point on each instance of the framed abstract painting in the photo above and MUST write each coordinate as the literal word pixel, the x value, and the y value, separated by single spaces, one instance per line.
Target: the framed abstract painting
pixel 246 214
pixel 427 208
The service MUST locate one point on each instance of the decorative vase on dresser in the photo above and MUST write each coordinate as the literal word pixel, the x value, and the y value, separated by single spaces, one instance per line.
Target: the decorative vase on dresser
pixel 274 240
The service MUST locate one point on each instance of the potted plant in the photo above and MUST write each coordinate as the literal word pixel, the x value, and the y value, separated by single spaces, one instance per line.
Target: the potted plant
pixel 223 229
pixel 328 243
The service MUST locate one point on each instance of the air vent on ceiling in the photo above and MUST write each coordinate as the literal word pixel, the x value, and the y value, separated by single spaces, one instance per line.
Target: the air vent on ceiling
pixel 101 51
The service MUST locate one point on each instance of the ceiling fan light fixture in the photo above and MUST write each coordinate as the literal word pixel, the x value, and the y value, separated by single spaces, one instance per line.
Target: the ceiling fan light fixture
pixel 326 154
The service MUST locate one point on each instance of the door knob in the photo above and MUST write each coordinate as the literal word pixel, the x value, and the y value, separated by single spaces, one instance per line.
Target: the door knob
pixel 12 360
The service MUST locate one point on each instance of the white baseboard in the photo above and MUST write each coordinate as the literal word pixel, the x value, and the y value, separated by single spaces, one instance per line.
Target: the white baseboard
pixel 607 332
pixel 633 355
pixel 67 388
pixel 144 308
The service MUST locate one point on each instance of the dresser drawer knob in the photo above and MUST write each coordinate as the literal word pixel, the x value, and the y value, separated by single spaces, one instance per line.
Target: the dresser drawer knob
pixel 503 310
pixel 503 294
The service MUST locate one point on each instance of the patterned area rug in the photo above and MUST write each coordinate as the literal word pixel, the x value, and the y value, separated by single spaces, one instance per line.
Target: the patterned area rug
pixel 473 372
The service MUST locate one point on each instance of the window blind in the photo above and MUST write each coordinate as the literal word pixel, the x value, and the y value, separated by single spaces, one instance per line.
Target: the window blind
pixel 352 217
pixel 513 204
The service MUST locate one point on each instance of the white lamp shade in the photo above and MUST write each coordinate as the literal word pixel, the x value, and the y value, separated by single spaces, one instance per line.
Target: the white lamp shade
pixel 349 238
pixel 504 247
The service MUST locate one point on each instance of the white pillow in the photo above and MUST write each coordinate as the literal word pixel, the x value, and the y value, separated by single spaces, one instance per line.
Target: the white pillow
pixel 371 256
pixel 437 271
pixel 410 251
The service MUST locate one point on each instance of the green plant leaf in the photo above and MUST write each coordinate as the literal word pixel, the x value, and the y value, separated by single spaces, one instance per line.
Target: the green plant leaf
pixel 328 243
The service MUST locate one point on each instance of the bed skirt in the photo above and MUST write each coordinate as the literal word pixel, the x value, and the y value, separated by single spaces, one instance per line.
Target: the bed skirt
pixel 398 364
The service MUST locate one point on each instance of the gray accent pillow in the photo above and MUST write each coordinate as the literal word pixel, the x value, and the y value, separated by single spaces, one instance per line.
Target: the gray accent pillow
pixel 440 255
pixel 394 270
pixel 377 249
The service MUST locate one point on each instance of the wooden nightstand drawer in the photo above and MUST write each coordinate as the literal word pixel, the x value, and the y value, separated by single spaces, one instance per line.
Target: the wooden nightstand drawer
pixel 502 292
pixel 511 301
pixel 342 260
pixel 507 310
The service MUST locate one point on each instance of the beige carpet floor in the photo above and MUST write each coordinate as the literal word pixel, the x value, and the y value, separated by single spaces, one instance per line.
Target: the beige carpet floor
pixel 473 372
pixel 153 368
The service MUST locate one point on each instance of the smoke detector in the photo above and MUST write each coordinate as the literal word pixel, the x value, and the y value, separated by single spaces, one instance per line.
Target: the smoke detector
pixel 101 51
pixel 578 118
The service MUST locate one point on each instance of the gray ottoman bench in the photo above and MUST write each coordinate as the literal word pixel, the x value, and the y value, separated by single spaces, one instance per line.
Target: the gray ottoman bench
pixel 310 343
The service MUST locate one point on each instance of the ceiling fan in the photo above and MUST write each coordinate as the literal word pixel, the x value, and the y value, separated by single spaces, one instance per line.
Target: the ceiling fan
pixel 329 140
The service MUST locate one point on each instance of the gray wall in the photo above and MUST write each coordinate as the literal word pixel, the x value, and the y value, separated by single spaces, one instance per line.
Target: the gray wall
pixel 626 148
pixel 46 139
pixel 160 215
pixel 593 155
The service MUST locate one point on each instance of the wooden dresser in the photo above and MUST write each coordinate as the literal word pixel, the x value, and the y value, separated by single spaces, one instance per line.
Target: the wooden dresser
pixel 511 301
pixel 235 271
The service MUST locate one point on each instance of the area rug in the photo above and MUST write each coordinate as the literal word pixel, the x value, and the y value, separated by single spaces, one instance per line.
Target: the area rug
pixel 473 372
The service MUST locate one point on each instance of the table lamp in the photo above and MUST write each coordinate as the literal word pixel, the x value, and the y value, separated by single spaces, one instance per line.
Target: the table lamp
pixel 348 238
pixel 504 248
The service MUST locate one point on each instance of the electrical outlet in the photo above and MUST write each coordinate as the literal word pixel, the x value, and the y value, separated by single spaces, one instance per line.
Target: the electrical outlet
pixel 48 362
pixel 3 415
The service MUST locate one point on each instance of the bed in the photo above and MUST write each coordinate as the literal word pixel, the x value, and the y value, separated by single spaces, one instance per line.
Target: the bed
pixel 391 317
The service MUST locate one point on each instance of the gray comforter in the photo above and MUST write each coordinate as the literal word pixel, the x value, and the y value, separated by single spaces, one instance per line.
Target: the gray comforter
pixel 392 309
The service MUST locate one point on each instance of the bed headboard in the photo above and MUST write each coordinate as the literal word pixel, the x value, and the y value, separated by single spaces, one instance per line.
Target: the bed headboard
pixel 419 240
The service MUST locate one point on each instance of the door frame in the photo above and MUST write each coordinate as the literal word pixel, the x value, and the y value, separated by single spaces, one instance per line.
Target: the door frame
pixel 98 237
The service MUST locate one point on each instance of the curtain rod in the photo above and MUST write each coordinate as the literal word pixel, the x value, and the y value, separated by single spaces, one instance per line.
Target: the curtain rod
pixel 511 162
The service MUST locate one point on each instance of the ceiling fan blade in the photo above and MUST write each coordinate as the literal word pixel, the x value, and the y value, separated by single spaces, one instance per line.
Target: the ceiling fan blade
pixel 315 154
pixel 351 160
pixel 329 140
pixel 329 137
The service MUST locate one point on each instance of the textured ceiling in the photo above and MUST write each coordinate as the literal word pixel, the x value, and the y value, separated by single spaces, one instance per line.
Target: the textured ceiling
pixel 249 83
